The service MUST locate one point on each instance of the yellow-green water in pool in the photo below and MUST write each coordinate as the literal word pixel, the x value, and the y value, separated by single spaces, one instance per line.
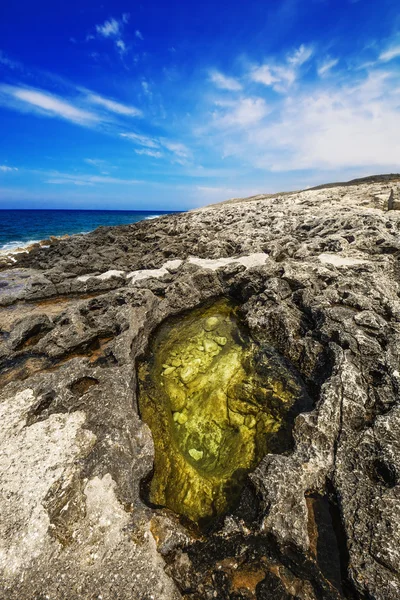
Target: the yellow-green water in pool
pixel 213 403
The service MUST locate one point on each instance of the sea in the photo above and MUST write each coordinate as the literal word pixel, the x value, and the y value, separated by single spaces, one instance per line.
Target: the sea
pixel 23 227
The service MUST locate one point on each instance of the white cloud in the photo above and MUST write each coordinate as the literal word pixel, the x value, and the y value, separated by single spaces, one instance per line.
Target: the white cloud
pixel 263 75
pixel 68 178
pixel 139 34
pixel 286 77
pixel 153 153
pixel 179 150
pixel 338 123
pixel 390 54
pixel 141 140
pixel 300 56
pixel 61 181
pixel 225 83
pixel 95 162
pixel 113 106
pixel 47 104
pixel 6 169
pixel 109 28
pixel 336 128
pixel 121 45
pixel 281 77
pixel 326 66
pixel 244 112
pixel 78 109
pixel 176 148
pixel 114 29
pixel 146 88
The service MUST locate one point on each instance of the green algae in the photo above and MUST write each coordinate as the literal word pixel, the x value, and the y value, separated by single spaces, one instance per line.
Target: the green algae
pixel 216 403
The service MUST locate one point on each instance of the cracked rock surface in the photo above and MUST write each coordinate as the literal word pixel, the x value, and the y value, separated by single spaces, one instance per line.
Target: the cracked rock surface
pixel 316 277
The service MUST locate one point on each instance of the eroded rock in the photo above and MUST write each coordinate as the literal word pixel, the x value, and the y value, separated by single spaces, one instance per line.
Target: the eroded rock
pixel 315 276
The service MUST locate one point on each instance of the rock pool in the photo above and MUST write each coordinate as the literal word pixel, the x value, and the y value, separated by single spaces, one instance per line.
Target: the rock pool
pixel 216 402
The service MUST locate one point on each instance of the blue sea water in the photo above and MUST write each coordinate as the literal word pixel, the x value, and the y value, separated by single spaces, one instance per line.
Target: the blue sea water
pixel 21 227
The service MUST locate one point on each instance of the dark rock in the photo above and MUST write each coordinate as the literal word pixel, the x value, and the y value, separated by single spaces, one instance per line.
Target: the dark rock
pixel 29 331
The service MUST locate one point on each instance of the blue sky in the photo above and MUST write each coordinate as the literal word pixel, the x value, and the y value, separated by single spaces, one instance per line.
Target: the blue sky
pixel 171 105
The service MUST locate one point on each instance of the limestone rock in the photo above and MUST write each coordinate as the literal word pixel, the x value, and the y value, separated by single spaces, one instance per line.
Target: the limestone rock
pixel 316 278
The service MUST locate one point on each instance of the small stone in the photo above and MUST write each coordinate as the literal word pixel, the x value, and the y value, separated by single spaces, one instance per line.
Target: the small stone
pixel 188 373
pixel 210 346
pixel 211 323
pixel 221 341
pixel 236 419
pixel 196 454
pixel 180 418
pixel 250 421
pixel 169 370
pixel 178 399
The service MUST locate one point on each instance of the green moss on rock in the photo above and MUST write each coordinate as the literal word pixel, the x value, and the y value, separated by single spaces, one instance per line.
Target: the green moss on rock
pixel 215 402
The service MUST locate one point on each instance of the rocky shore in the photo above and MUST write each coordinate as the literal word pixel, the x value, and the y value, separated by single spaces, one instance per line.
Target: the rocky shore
pixel 315 279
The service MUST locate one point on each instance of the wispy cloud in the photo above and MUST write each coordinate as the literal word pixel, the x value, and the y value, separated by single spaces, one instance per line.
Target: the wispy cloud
pixel 7 169
pixel 141 140
pixel 114 29
pixel 95 162
pixel 327 65
pixel 333 127
pixel 148 152
pixel 46 104
pixel 64 181
pixel 263 74
pixel 113 106
pixel 146 88
pixel 74 179
pixel 300 56
pixel 109 28
pixel 282 76
pixel 179 151
pixel 242 113
pixel 331 119
pixel 82 107
pixel 176 148
pixel 224 82
pixel 121 46
pixel 390 53
pixel 329 113
pixel 138 34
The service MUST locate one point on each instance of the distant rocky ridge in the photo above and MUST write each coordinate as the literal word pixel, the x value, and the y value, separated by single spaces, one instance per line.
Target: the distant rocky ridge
pixel 317 277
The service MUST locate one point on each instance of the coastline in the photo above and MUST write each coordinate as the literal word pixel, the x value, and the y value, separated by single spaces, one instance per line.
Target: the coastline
pixel 18 248
pixel 12 244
